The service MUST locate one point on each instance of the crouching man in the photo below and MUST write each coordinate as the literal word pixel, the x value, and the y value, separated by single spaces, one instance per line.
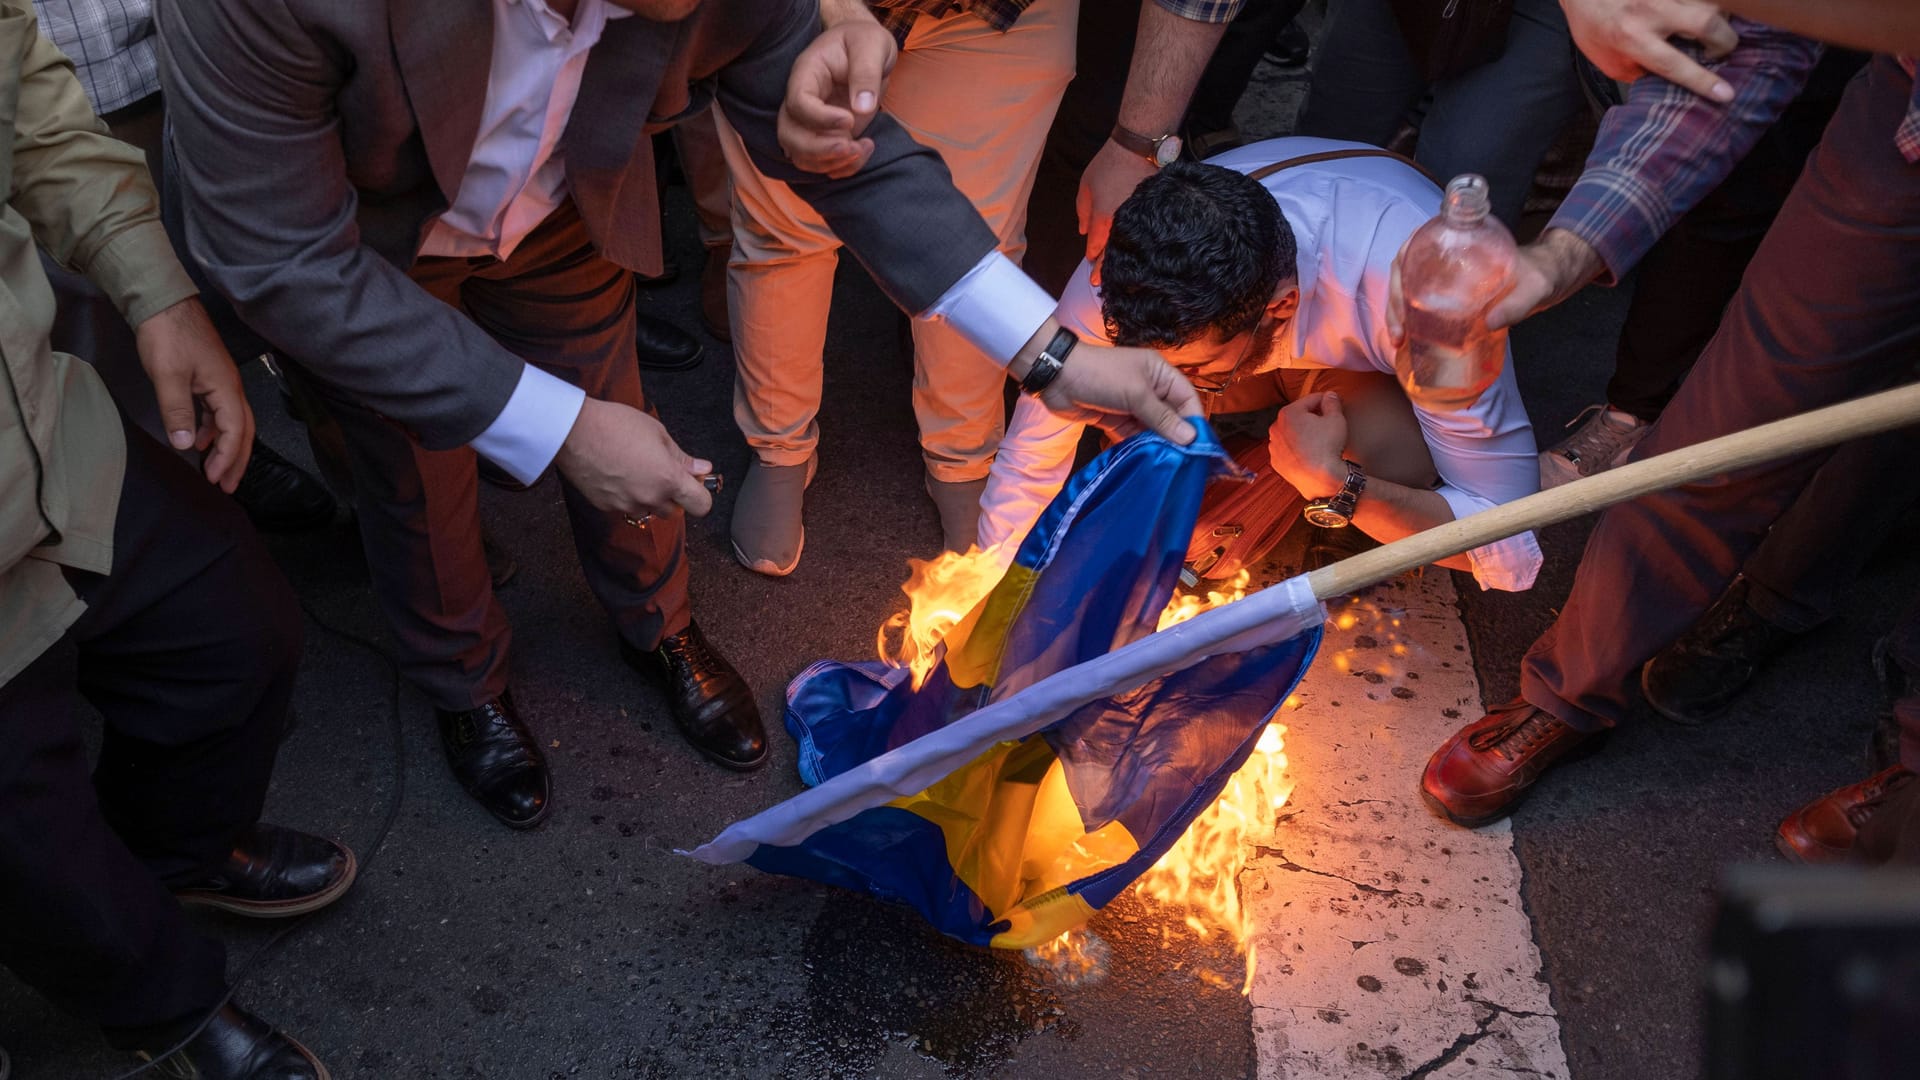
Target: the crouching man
pixel 1262 274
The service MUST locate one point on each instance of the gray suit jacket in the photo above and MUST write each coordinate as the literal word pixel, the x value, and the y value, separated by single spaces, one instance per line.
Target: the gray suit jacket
pixel 318 140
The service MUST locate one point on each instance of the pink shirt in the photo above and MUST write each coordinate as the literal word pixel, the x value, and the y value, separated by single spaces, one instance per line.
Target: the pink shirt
pixel 514 178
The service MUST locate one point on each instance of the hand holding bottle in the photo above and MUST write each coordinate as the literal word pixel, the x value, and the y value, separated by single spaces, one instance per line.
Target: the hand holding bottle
pixel 1447 280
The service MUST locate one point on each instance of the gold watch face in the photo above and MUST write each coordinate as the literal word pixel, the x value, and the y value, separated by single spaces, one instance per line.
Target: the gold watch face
pixel 1325 516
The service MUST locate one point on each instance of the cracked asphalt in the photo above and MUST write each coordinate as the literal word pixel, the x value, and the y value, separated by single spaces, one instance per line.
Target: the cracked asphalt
pixel 588 948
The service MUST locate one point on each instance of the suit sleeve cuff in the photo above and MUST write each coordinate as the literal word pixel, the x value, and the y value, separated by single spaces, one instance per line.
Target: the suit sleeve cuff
pixel 526 436
pixel 995 306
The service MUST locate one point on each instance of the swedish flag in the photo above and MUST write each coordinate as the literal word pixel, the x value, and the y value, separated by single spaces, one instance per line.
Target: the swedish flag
pixel 1032 832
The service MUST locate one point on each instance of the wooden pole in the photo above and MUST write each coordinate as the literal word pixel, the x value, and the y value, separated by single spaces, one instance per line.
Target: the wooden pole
pixel 1279 612
pixel 1840 423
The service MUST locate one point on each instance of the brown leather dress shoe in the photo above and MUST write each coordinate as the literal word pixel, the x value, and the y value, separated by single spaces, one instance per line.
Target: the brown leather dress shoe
pixel 1823 831
pixel 274 873
pixel 237 1045
pixel 1479 774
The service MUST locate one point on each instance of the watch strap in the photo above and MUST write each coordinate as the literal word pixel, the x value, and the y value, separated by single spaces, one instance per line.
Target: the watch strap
pixel 1047 366
pixel 1135 143
pixel 1347 499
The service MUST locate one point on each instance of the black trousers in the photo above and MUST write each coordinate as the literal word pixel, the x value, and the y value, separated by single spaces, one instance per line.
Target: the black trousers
pixel 188 650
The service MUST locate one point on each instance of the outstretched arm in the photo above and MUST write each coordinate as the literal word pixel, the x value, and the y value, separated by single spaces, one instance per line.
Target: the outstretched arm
pixel 1175 41
pixel 1656 157
pixel 929 249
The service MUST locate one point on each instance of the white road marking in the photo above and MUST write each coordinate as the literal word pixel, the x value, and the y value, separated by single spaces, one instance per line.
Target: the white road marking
pixel 1392 943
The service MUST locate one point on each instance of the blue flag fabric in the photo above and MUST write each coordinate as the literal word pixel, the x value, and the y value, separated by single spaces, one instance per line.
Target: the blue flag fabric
pixel 1032 836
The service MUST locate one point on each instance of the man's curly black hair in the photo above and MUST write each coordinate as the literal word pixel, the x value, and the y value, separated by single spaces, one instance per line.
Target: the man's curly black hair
pixel 1196 249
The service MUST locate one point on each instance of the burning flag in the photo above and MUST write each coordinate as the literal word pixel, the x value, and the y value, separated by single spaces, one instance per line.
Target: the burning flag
pixel 1009 826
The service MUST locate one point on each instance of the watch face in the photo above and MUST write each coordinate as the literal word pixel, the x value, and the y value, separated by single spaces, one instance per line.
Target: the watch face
pixel 1326 517
pixel 1167 151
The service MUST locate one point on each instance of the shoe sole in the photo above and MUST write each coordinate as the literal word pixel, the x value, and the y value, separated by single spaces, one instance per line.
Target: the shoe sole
pixel 736 766
pixel 319 1068
pixel 277 909
pixel 533 822
pixel 694 361
pixel 1440 809
pixel 1682 719
pixel 766 567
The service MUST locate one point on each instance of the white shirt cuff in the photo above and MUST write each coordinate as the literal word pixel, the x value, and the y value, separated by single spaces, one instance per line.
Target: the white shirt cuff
pixel 1510 565
pixel 995 306
pixel 527 434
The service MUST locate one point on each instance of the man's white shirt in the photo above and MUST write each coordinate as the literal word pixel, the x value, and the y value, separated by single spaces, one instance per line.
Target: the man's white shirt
pixel 515 178
pixel 1349 218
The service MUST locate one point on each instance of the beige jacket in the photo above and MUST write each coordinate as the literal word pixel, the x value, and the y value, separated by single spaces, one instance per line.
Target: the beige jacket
pixel 88 201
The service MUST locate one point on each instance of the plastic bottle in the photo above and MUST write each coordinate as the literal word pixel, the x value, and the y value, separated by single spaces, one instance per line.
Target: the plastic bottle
pixel 1455 269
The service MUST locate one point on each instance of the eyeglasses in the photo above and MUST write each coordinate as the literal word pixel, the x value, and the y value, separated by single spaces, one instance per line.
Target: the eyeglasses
pixel 1209 384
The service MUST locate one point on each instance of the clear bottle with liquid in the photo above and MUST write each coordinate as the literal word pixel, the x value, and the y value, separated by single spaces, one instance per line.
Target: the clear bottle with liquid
pixel 1455 269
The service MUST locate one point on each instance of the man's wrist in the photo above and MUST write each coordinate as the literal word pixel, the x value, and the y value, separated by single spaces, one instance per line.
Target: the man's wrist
pixel 1322 479
pixel 1575 262
pixel 1022 361
pixel 835 12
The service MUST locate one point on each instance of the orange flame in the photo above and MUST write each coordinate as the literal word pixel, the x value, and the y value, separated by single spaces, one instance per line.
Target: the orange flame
pixel 1199 875
pixel 1076 958
pixel 940 593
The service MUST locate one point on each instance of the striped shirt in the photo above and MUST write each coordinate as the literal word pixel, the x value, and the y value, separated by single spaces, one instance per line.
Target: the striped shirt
pixel 900 15
pixel 1908 137
pixel 111 45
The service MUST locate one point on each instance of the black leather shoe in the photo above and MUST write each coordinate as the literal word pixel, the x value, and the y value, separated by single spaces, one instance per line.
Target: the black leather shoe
pixel 274 873
pixel 237 1045
pixel 664 346
pixel 711 703
pixel 281 497
pixel 497 760
pixel 1291 47
pixel 1694 679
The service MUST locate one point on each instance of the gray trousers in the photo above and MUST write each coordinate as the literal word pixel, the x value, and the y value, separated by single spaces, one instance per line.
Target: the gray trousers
pixel 557 304
pixel 1827 311
pixel 1497 120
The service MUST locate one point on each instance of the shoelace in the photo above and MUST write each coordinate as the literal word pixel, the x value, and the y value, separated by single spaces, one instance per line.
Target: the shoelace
pixel 1513 737
pixel 691 650
pixel 1874 794
pixel 490 718
pixel 1731 628
pixel 1597 440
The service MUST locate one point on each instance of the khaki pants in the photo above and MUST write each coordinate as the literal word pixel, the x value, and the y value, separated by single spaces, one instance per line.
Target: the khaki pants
pixel 983 99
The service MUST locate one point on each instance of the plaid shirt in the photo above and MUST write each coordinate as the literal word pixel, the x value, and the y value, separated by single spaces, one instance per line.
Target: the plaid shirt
pixel 1908 137
pixel 1666 148
pixel 110 43
pixel 899 15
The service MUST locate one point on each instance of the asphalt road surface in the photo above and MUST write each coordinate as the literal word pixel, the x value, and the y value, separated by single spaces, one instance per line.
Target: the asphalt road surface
pixel 588 948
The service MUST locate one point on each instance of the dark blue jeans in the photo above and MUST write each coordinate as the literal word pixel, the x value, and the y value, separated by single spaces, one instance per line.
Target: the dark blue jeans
pixel 1497 120
pixel 1826 312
